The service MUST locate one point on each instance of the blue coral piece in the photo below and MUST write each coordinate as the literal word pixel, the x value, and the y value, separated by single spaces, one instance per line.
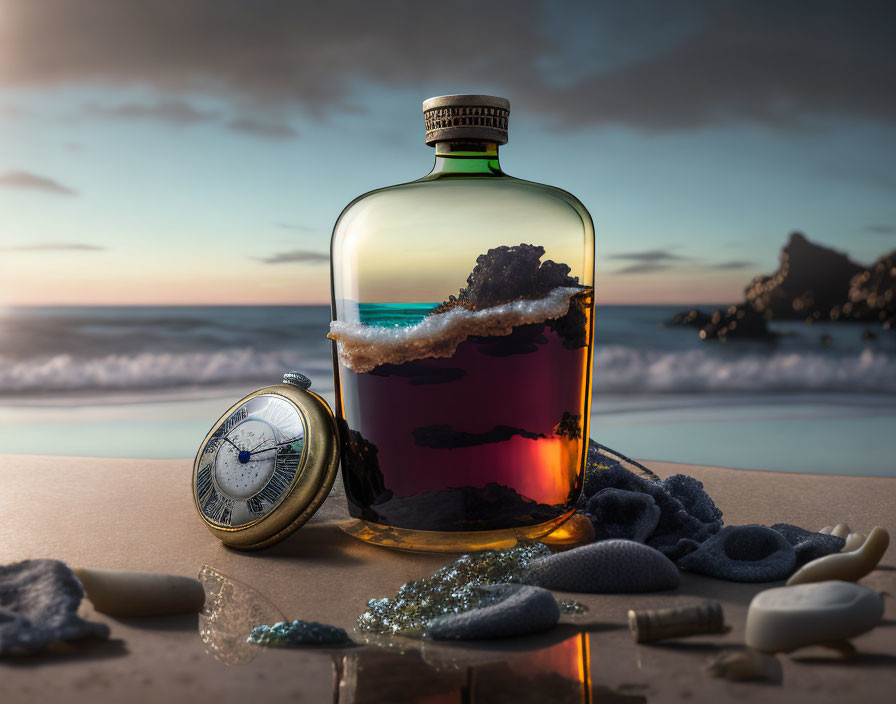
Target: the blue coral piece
pixel 605 567
pixel 617 513
pixel 510 610
pixel 286 634
pixel 38 604
pixel 749 553
pixel 808 545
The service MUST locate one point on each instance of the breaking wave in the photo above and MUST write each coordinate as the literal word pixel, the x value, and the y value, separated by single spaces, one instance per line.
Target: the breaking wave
pixel 153 370
pixel 620 369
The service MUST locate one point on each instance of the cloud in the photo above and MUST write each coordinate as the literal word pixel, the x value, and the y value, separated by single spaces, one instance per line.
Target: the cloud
pixel 25 179
pixel 733 264
pixel 55 247
pixel 764 61
pixel 12 112
pixel 880 229
pixel 182 113
pixel 303 256
pixel 294 227
pixel 681 67
pixel 259 128
pixel 645 268
pixel 651 256
pixel 177 112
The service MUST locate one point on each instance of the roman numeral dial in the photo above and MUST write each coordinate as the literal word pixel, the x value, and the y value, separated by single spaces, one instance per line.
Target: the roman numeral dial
pixel 250 462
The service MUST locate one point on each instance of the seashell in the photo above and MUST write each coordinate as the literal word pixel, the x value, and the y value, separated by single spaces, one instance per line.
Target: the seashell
pixel 743 554
pixel 745 665
pixel 841 530
pixel 808 545
pixel 849 566
pixel 617 513
pixel 38 604
pixel 658 624
pixel 605 567
pixel 785 618
pixel 129 593
pixel 827 530
pixel 516 610
pixel 853 542
pixel 231 610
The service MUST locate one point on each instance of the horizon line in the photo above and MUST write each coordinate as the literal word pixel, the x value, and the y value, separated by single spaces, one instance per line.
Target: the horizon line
pixel 304 305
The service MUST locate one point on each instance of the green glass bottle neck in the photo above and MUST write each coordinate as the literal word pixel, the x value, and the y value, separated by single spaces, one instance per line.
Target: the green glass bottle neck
pixel 466 158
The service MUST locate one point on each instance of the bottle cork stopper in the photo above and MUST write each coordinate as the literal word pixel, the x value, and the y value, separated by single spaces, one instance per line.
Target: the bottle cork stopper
pixel 657 624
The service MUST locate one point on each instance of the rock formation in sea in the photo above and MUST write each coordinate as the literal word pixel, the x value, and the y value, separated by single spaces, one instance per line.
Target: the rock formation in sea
pixel 872 295
pixel 812 283
pixel 809 282
pixel 740 321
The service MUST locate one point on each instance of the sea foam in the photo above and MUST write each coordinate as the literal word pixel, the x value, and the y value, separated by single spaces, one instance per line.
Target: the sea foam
pixel 362 347
pixel 619 369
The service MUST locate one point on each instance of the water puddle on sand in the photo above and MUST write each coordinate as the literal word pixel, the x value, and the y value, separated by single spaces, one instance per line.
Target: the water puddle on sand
pixel 386 670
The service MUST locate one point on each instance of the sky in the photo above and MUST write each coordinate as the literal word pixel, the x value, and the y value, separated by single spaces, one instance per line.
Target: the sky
pixel 200 151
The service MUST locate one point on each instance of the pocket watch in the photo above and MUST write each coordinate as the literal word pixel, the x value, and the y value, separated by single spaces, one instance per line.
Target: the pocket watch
pixel 266 465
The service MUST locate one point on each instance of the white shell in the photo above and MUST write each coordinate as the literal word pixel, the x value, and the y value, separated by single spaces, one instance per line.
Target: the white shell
pixel 854 541
pixel 786 618
pixel 841 530
pixel 745 665
pixel 851 566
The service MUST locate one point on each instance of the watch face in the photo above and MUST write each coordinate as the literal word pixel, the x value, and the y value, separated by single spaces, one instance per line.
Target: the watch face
pixel 249 463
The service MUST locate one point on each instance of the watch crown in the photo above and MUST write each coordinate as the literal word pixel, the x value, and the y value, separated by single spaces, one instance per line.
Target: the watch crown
pixel 297 379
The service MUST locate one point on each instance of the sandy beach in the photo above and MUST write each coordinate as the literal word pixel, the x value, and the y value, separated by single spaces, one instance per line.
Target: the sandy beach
pixel 138 514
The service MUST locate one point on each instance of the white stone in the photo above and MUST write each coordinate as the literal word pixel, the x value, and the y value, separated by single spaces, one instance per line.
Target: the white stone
pixel 128 593
pixel 786 618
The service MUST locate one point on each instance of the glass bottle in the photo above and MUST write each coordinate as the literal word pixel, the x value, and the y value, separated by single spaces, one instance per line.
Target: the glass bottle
pixel 463 326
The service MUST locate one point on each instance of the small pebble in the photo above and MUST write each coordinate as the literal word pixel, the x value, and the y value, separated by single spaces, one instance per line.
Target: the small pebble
pixel 128 593
pixel 746 665
pixel 785 618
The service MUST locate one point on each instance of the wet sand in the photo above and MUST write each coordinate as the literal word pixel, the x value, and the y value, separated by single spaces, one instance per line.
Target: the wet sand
pixel 138 514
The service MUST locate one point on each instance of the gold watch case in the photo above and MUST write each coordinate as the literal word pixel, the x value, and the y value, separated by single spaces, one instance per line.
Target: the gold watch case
pixel 309 487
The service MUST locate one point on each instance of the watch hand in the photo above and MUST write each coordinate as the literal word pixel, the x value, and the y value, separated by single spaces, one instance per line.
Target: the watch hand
pixel 257 446
pixel 227 439
pixel 280 444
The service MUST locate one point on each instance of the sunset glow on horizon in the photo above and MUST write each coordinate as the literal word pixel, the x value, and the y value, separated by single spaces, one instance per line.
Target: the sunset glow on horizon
pixel 159 163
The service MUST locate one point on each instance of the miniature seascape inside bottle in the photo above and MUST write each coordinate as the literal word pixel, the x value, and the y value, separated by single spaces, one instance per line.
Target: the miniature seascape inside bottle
pixel 468 415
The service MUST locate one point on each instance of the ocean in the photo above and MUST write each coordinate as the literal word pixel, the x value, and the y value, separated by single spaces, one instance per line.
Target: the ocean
pixel 150 381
